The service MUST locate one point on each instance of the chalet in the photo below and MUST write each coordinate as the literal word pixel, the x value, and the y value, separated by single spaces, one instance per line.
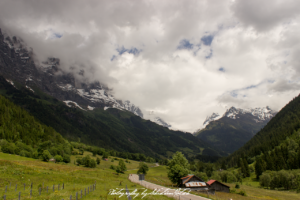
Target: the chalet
pixel 218 186
pixel 193 183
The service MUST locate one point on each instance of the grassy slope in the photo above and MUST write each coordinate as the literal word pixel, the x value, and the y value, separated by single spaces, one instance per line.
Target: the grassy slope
pixel 158 175
pixel 20 170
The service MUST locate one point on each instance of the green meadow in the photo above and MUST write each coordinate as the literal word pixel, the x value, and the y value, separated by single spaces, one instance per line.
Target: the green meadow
pixel 17 170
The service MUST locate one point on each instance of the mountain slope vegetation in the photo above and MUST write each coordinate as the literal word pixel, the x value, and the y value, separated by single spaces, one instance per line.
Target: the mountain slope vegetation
pixel 111 129
pixel 277 142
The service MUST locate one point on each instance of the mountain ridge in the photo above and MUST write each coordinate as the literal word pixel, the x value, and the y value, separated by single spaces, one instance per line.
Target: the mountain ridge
pixel 234 128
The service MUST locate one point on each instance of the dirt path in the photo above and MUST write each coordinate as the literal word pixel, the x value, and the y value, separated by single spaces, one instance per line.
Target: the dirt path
pixel 167 191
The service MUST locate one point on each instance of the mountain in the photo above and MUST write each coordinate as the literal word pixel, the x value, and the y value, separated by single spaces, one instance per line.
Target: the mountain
pixel 17 63
pixel 276 146
pixel 213 117
pixel 161 122
pixel 234 128
pixel 83 111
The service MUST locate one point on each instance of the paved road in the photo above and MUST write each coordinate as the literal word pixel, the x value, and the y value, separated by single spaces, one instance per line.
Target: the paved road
pixel 168 192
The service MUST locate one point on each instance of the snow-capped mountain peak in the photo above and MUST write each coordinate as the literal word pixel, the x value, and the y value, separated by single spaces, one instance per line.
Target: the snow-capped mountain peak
pixel 261 114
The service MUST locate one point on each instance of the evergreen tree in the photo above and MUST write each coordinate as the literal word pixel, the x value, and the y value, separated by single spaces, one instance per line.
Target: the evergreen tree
pixel 258 167
pixel 247 170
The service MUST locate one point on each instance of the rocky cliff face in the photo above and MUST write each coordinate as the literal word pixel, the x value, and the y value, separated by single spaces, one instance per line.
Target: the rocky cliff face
pixel 17 65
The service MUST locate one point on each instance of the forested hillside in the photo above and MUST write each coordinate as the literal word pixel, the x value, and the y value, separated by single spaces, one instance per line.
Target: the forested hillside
pixel 111 129
pixel 277 143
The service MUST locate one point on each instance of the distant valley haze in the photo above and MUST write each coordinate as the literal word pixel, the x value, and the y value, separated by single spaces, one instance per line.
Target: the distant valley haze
pixel 177 60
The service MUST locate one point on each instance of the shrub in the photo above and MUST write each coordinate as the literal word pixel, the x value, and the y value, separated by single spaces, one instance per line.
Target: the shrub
pixel 112 167
pixel 242 192
pixel 92 163
pixel 237 186
pixel 46 155
pixel 66 158
pixel 58 158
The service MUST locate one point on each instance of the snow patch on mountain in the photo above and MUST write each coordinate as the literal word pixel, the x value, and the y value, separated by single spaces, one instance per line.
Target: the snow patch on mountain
pixel 161 122
pixel 100 95
pixel 11 82
pixel 72 104
pixel 213 117
pixel 261 114
pixel 91 108
pixel 29 88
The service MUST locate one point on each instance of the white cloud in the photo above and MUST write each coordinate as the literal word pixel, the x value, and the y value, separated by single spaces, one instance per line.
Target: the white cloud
pixel 256 44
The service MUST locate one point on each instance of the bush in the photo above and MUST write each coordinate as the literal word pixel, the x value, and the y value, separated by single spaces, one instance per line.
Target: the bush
pixel 46 155
pixel 35 155
pixel 66 158
pixel 98 161
pixel 92 163
pixel 79 161
pixel 8 148
pixel 58 158
pixel 265 180
pixel 242 192
pixel 237 186
pixel 112 167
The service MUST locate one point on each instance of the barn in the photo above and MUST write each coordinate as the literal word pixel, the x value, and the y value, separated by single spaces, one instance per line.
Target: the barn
pixel 193 183
pixel 218 186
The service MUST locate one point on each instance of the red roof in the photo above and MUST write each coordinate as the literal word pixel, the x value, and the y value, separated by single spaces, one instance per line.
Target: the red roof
pixel 210 182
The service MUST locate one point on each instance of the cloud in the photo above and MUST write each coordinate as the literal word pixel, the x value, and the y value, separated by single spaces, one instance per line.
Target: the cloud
pixel 182 60
pixel 267 14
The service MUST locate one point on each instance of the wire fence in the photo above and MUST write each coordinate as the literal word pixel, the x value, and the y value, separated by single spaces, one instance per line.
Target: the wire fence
pixel 21 191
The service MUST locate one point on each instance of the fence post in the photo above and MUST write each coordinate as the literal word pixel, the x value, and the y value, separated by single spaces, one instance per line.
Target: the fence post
pixel 16 187
pixel 4 197
pixel 53 188
pixel 30 193
pixel 31 185
pixel 47 189
pixel 24 185
pixel 58 187
pixel 76 195
pixel 40 191
pixel 70 197
pixel 9 184
pixel 88 190
pixel 5 189
pixel 19 195
pixel 80 194
pixel 84 191
pixel 63 186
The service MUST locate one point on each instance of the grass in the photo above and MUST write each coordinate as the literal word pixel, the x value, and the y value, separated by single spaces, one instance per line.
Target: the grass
pixel 19 170
pixel 158 175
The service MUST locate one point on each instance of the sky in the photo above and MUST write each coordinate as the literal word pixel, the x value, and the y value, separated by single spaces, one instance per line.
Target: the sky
pixel 182 60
